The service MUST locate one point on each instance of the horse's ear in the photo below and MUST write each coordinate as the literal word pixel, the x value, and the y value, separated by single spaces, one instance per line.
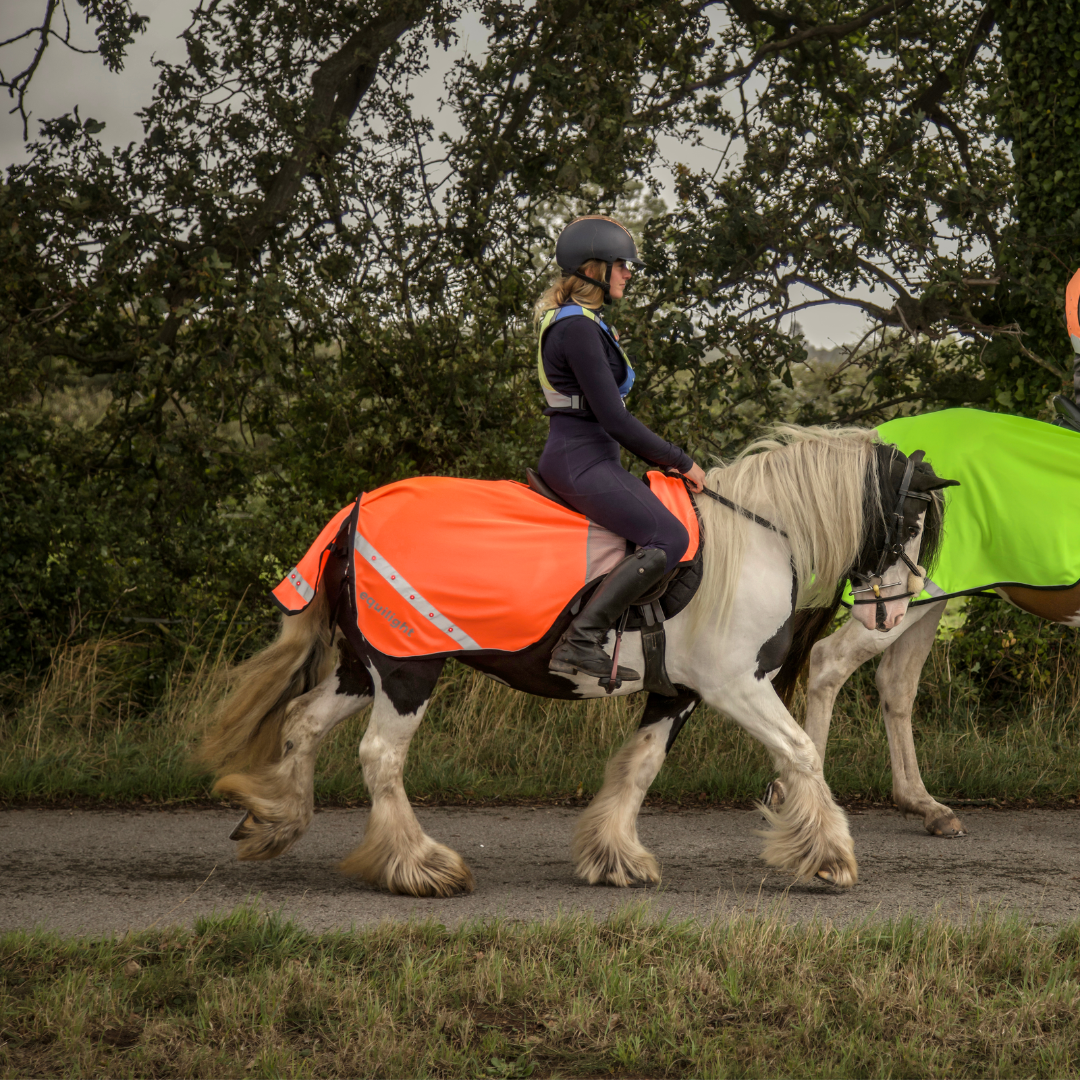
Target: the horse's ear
pixel 930 482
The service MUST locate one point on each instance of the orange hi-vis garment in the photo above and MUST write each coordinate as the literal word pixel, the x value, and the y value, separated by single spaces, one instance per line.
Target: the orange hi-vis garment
pixel 442 565
pixel 298 588
pixel 1072 310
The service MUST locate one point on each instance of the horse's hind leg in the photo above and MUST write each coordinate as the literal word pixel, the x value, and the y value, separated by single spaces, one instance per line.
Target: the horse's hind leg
pixel 898 683
pixel 606 848
pixel 280 797
pixel 396 852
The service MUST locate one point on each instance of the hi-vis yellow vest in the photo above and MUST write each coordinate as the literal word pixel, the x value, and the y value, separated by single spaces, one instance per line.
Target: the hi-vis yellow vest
pixel 554 398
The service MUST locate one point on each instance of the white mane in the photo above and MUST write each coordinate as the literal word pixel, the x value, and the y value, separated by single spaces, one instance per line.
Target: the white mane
pixel 808 481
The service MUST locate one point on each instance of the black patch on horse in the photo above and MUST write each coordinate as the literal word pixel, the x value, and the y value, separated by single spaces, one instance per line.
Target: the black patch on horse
pixel 407 682
pixel 773 652
pixel 354 678
pixel 658 708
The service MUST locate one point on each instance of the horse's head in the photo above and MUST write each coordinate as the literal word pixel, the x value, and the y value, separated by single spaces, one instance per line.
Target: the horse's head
pixel 901 542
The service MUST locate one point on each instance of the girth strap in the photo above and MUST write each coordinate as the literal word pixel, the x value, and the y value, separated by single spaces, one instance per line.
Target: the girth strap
pixel 655 676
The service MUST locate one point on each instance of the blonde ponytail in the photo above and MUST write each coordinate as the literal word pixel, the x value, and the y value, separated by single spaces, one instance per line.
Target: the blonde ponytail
pixel 568 289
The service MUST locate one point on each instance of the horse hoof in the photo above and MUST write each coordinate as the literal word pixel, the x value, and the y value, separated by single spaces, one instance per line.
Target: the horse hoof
pixel 245 827
pixel 948 827
pixel 436 870
pixel 447 882
pixel 840 876
pixel 774 795
pixel 614 881
pixel 603 866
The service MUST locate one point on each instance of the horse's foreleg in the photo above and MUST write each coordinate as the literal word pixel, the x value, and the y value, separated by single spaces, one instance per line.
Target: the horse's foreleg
pixel 280 797
pixel 833 660
pixel 809 834
pixel 396 853
pixel 606 848
pixel 898 683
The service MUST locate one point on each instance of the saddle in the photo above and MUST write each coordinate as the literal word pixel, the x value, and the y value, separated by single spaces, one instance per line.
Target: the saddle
pixel 670 596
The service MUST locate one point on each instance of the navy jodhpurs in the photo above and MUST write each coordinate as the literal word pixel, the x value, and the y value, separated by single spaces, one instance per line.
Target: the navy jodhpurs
pixel 580 463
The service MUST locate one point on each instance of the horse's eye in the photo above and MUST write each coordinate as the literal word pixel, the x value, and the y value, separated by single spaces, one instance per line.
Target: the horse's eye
pixel 913 532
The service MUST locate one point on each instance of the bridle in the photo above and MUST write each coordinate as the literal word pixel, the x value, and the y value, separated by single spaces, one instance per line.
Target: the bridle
pixel 894 547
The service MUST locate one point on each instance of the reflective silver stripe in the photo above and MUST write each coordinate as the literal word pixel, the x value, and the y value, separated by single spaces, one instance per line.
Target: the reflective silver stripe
pixel 562 401
pixel 429 613
pixel 932 588
pixel 299 583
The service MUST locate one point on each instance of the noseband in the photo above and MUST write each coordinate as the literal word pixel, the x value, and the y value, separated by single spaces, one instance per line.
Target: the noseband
pixel 894 548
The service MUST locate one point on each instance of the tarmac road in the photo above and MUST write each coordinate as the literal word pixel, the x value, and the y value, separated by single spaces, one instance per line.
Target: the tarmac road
pixel 112 871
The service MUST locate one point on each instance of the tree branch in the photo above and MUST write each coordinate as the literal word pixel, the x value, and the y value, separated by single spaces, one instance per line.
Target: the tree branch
pixel 117 23
pixel 19 84
pixel 850 418
pixel 338 86
pixel 928 102
pixel 828 32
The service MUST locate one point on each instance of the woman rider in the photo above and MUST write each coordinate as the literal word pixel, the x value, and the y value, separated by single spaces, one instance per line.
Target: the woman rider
pixel 586 376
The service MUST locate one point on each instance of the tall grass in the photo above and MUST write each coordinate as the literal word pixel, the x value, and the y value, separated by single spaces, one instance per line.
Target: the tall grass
pixel 88 732
pixel 92 728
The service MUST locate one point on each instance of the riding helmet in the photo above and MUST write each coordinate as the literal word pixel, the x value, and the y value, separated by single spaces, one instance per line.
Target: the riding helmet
pixel 594 237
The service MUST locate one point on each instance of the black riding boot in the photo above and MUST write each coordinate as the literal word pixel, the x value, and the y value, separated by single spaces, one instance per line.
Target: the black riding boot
pixel 580 649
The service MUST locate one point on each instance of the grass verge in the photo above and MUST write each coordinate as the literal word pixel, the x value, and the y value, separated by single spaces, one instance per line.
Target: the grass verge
pixel 80 736
pixel 249 994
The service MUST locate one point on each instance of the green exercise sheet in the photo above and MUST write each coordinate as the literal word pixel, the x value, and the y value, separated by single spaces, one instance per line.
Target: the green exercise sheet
pixel 1015 518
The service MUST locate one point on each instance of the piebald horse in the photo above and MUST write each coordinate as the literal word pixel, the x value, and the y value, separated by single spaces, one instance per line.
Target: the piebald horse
pixel 834 659
pixel 812 507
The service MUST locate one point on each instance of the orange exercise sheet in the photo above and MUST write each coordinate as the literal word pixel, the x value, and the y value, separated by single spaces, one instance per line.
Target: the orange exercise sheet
pixel 444 565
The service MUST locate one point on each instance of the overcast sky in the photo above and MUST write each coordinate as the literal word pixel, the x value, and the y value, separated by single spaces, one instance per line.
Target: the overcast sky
pixel 66 80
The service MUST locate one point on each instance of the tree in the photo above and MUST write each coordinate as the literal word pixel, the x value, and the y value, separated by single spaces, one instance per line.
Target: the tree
pixel 291 289
pixel 1036 110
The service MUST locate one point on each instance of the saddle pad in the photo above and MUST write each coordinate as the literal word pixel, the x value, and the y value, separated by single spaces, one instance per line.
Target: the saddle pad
pixel 443 565
pixel 1015 518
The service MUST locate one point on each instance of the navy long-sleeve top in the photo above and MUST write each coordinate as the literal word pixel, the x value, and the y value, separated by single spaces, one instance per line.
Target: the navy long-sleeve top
pixel 580 359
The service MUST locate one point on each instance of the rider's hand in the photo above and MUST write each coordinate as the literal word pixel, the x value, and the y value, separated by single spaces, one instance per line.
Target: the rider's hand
pixel 696 476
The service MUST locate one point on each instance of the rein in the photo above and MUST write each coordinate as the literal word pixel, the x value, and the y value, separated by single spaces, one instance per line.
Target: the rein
pixel 748 514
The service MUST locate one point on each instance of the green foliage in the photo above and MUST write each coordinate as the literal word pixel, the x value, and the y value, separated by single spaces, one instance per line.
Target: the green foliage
pixel 292 288
pixel 1040 250
pixel 1008 658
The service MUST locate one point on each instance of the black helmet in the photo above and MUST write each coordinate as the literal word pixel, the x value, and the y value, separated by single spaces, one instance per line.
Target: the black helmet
pixel 594 237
